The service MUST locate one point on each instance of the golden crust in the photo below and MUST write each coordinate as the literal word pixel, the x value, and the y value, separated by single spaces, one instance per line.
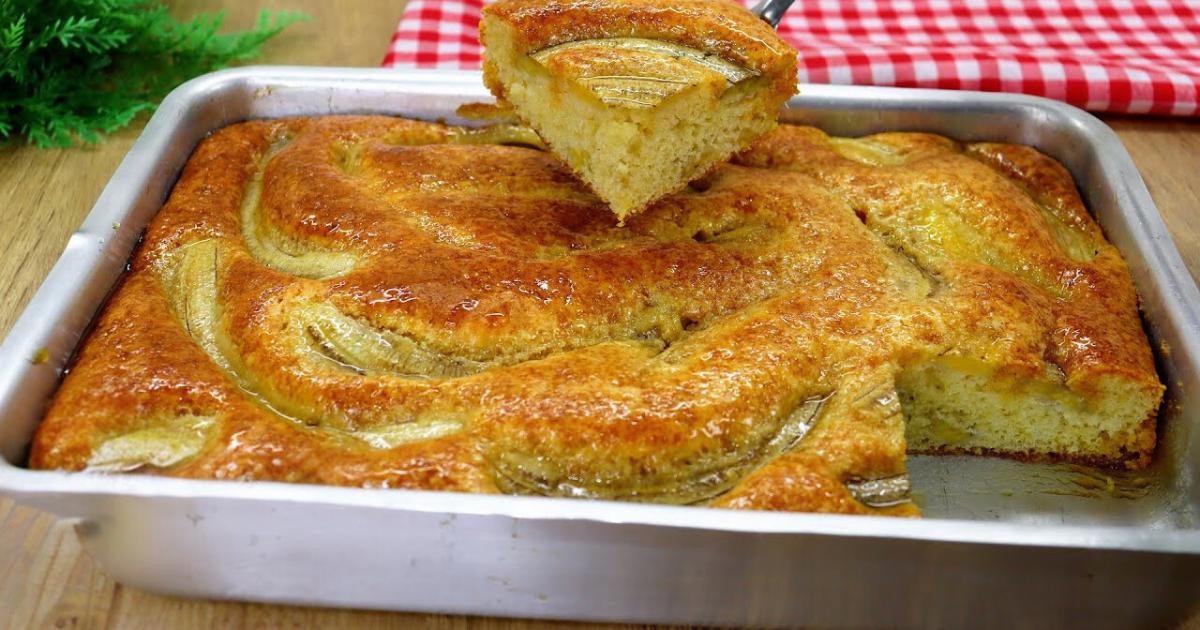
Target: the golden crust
pixel 717 27
pixel 380 302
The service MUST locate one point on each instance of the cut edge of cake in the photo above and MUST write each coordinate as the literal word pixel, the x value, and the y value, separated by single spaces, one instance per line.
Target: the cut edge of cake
pixel 961 406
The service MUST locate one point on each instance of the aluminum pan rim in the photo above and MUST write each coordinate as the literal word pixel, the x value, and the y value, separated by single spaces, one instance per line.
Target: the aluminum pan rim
pixel 1149 231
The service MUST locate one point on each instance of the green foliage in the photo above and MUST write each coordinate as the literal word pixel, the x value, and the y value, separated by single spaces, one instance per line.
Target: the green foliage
pixel 74 69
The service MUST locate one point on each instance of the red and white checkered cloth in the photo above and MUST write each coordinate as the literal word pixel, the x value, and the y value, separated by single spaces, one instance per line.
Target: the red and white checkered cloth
pixel 1132 56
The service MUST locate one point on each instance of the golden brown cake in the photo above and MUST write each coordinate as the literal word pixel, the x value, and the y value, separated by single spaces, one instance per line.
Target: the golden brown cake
pixel 639 97
pixel 379 302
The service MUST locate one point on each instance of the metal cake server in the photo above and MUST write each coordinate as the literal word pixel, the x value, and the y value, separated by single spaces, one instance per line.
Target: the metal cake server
pixel 772 10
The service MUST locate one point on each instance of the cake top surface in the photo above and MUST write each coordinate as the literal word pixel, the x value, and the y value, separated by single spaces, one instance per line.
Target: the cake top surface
pixel 714 27
pixel 376 301
pixel 640 73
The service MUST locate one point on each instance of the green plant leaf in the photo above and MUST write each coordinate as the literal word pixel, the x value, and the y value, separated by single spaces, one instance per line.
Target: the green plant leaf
pixel 73 70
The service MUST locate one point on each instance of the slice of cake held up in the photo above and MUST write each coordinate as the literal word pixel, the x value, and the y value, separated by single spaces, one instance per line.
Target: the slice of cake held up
pixel 639 97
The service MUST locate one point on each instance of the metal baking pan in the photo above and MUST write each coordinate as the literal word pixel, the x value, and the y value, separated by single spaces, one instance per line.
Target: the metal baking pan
pixel 1002 542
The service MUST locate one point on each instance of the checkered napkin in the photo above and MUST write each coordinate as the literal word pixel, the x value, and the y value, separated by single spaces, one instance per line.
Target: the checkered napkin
pixel 1130 56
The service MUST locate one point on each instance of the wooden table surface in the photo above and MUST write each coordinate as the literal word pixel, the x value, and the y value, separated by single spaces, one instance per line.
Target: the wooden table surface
pixel 45 580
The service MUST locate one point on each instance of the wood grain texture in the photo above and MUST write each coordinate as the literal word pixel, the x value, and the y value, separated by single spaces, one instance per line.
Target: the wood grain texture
pixel 46 580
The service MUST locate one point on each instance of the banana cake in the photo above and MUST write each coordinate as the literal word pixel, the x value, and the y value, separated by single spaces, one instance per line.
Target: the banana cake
pixel 639 97
pixel 381 302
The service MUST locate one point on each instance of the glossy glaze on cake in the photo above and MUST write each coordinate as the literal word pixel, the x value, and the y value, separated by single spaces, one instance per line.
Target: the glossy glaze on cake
pixel 379 302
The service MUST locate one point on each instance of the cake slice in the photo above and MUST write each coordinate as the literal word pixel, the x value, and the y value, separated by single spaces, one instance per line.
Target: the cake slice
pixel 639 97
